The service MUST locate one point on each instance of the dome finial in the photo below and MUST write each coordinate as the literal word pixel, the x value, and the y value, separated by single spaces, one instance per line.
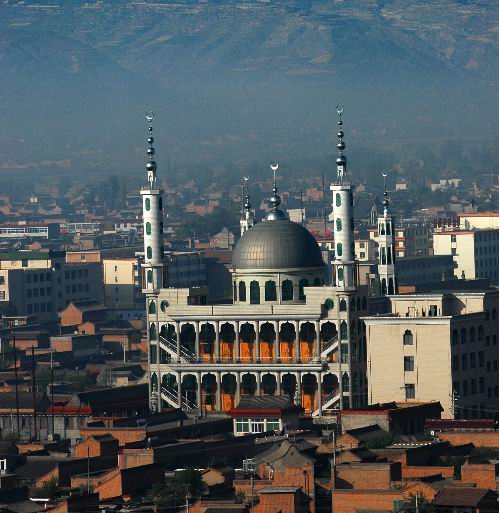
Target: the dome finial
pixel 151 166
pixel 384 174
pixel 341 160
pixel 275 200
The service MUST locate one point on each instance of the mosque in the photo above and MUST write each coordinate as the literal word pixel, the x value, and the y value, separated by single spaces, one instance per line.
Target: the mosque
pixel 287 330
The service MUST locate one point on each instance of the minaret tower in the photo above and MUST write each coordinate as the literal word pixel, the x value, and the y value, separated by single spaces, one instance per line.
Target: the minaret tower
pixel 247 220
pixel 386 248
pixel 344 273
pixel 152 213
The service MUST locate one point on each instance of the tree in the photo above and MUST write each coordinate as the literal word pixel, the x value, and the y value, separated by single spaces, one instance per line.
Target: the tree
pixel 172 493
pixel 43 379
pixel 48 489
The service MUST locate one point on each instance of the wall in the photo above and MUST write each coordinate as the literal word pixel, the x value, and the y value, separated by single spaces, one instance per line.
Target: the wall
pixel 367 476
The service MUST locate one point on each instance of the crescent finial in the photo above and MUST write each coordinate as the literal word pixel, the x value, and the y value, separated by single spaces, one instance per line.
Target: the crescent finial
pixel 274 167
pixel 150 116
pixel 339 109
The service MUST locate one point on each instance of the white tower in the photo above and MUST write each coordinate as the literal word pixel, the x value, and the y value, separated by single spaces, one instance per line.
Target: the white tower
pixel 344 273
pixel 247 219
pixel 152 213
pixel 386 249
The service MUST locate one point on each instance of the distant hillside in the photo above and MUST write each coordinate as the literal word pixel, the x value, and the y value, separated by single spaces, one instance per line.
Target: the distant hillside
pixel 235 81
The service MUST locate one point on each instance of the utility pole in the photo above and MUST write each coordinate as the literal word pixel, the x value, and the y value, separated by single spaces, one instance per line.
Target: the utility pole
pixel 88 470
pixel 33 379
pixel 52 388
pixel 17 385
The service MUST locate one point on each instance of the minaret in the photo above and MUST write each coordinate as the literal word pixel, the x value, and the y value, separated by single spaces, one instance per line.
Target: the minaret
pixel 344 257
pixel 152 213
pixel 247 220
pixel 386 248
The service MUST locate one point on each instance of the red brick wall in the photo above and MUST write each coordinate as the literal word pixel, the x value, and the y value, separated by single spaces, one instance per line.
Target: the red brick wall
pixel 426 471
pixel 351 501
pixel 477 438
pixel 483 475
pixel 367 477
pixel 71 316
pixel 123 435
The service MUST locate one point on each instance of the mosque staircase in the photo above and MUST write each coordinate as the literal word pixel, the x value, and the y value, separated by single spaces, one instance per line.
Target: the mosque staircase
pixel 170 346
pixel 169 394
pixel 329 346
pixel 328 402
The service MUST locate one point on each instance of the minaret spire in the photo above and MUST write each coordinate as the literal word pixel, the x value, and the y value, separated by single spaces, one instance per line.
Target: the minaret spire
pixel 386 247
pixel 247 220
pixel 152 214
pixel 341 160
pixel 345 274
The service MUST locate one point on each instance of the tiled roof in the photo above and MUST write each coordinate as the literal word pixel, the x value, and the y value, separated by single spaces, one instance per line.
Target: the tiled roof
pixel 460 497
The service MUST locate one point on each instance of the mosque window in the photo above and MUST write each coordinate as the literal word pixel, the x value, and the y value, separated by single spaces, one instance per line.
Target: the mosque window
pixel 242 291
pixel 164 306
pixel 343 330
pixel 287 290
pixel 149 252
pixel 254 293
pixel 149 276
pixel 339 249
pixel 270 291
pixel 303 283
pixel 152 331
pixel 160 203
pixel 338 199
pixel 340 274
pixel 338 225
pixel 148 228
pixel 235 291
pixel 388 228
pixel 152 307
pixel 148 204
pixel 343 305
pixel 408 338
pixel 382 228
pixel 153 354
pixel 329 304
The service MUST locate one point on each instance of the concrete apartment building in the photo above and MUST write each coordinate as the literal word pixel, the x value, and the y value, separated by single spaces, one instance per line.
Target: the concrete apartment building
pixel 440 347
pixel 41 283
pixel 475 251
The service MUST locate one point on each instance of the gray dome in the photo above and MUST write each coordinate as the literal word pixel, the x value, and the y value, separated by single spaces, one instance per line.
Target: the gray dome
pixel 277 244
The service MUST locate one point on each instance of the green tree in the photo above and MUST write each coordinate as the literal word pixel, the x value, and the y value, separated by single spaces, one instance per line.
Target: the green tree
pixel 172 492
pixel 48 489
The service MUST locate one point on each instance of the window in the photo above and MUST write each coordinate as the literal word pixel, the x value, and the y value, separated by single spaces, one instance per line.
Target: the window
pixel 148 228
pixel 338 199
pixel 148 204
pixel 254 293
pixel 242 291
pixel 465 388
pixel 455 337
pixel 160 203
pixel 481 385
pixel 410 391
pixel 149 276
pixel 149 252
pixel 408 363
pixel 270 291
pixel 433 312
pixel 242 425
pixel 472 361
pixel 343 305
pixel 301 286
pixel 273 424
pixel 287 290
pixel 339 249
pixel 480 333
pixel 408 338
pixel 480 358
pixel 464 361
pixel 338 225
pixel 472 335
pixel 152 307
pixel 343 330
pixel 340 274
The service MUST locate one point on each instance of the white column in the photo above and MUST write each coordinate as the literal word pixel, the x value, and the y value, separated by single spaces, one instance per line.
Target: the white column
pixel 197 350
pixel 317 340
pixel 296 345
pixel 236 342
pixel 319 392
pixel 217 341
pixel 277 352
pixel 257 341
pixel 179 389
pixel 258 384
pixel 177 333
pixel 219 391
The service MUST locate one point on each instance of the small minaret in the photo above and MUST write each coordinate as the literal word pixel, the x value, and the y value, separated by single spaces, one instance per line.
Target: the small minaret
pixel 152 213
pixel 344 275
pixel 247 219
pixel 386 248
